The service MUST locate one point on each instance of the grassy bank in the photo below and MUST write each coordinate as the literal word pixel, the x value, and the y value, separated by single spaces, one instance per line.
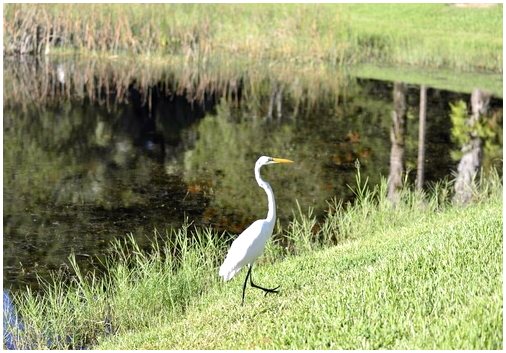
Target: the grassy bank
pixel 429 35
pixel 426 274
pixel 435 284
pixel 463 82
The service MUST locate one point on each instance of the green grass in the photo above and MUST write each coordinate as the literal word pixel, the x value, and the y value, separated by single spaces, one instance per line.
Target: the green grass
pixel 464 82
pixel 141 288
pixel 425 35
pixel 433 283
pixel 425 274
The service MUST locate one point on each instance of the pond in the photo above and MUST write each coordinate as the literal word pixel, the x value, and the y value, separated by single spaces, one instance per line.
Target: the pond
pixel 93 153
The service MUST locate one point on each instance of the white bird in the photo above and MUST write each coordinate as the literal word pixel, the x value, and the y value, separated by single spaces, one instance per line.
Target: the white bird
pixel 250 244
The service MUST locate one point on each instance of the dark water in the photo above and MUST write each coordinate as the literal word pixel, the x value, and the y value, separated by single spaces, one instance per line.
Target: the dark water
pixel 79 173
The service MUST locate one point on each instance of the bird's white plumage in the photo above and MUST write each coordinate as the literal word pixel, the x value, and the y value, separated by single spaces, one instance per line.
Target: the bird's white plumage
pixel 250 244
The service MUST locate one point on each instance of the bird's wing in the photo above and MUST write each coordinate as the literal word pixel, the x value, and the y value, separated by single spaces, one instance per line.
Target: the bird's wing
pixel 245 249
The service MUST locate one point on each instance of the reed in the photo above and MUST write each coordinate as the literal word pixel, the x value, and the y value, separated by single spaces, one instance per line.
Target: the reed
pixel 106 80
pixel 429 35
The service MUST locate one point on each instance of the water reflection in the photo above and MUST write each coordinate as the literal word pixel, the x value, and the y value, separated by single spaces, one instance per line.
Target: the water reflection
pixel 75 175
pixel 80 171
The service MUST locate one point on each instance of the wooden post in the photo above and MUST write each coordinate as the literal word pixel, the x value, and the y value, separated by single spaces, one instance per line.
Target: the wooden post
pixel 421 138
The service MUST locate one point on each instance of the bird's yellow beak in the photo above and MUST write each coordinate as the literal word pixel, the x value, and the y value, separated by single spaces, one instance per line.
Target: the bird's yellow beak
pixel 281 160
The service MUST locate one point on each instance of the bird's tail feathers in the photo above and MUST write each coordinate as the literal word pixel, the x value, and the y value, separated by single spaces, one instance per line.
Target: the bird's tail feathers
pixel 228 272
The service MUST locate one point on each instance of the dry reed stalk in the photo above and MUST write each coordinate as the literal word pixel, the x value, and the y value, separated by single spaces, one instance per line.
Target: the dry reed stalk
pixel 97 77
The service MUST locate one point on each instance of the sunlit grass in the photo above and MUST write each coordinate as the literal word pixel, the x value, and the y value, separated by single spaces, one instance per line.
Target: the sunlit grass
pixel 141 288
pixel 432 279
pixel 425 274
pixel 427 35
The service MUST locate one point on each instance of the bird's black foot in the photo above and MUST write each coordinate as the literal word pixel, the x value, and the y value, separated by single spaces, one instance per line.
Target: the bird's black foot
pixel 266 290
pixel 273 290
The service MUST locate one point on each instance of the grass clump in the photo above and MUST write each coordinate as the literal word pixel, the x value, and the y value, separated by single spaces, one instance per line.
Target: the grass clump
pixel 140 288
pixel 425 274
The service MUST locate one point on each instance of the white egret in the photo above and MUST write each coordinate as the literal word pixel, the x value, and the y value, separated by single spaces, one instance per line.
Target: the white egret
pixel 250 244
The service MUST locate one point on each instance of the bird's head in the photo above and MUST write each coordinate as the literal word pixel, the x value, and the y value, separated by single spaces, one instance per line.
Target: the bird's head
pixel 264 160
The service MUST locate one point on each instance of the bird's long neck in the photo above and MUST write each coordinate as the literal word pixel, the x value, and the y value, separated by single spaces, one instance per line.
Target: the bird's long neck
pixel 271 215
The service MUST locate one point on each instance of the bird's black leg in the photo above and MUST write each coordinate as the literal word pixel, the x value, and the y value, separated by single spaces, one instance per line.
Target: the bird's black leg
pixel 244 285
pixel 266 290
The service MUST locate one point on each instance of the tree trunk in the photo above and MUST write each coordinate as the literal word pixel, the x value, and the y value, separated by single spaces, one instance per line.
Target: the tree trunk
pixel 275 99
pixel 470 162
pixel 397 132
pixel 421 138
pixel 279 107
